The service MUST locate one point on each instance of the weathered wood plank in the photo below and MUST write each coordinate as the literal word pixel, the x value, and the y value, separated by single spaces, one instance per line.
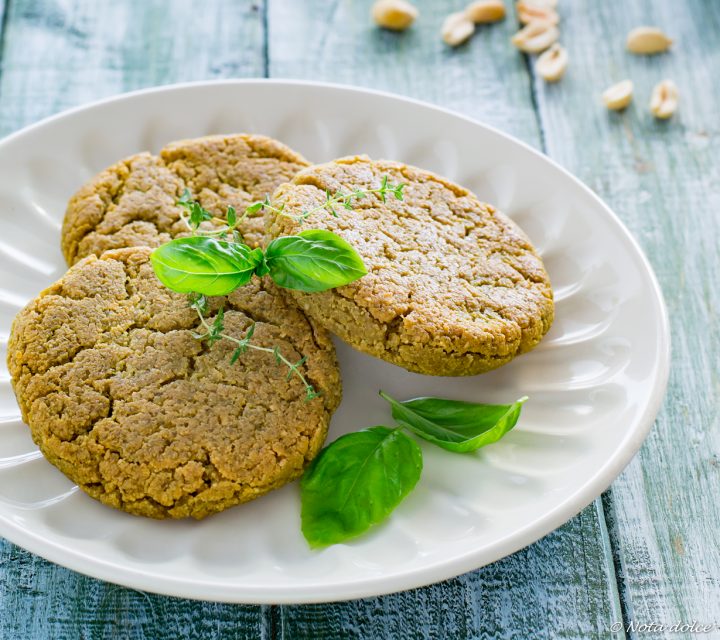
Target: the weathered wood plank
pixel 537 593
pixel 337 42
pixel 563 586
pixel 3 7
pixel 57 55
pixel 662 524
pixel 61 54
pixel 663 179
pixel 40 600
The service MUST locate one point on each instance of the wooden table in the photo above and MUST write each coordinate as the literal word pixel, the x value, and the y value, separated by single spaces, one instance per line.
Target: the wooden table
pixel 646 552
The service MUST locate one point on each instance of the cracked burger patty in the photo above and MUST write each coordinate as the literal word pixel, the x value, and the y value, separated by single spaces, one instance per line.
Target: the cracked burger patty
pixel 145 417
pixel 453 286
pixel 133 202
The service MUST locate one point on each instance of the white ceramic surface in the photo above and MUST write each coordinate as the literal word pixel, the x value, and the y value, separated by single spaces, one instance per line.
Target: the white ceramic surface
pixel 595 382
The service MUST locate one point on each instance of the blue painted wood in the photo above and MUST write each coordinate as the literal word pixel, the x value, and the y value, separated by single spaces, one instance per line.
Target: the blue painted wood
pixel 56 55
pixel 658 524
pixel 557 588
pixel 489 80
pixel 39 600
pixel 663 180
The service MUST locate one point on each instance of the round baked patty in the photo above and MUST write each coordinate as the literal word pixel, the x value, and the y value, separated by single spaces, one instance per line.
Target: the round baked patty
pixel 143 416
pixel 133 202
pixel 453 286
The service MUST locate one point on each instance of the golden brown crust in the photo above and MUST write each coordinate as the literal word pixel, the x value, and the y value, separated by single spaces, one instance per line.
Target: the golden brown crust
pixel 123 399
pixel 133 202
pixel 453 287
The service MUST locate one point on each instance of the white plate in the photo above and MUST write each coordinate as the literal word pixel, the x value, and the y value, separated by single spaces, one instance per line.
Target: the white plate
pixel 595 382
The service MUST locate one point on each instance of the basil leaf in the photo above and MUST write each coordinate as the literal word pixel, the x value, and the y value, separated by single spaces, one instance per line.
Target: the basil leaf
pixel 356 482
pixel 314 260
pixel 453 424
pixel 204 265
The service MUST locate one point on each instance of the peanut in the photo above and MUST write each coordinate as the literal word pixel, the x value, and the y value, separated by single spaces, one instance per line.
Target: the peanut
pixel 456 29
pixel 664 100
pixel 647 41
pixel 527 12
pixel 551 65
pixel 485 11
pixel 619 96
pixel 396 15
pixel 536 37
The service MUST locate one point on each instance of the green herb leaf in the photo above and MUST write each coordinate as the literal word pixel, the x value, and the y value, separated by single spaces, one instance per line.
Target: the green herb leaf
pixel 204 265
pixel 313 260
pixel 197 213
pixel 231 216
pixel 261 269
pixel 295 367
pixel 217 327
pixel 249 333
pixel 255 207
pixel 356 482
pixel 199 302
pixel 453 424
pixel 243 344
pixel 311 394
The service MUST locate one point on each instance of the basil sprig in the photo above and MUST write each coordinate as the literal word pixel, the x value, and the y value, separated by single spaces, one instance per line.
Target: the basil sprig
pixel 314 260
pixel 358 480
pixel 456 425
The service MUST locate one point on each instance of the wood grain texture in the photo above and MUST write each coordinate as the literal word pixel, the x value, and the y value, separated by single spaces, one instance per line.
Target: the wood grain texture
pixel 57 54
pixel 556 588
pixel 42 601
pixel 61 53
pixel 663 180
pixel 336 41
pixel 532 593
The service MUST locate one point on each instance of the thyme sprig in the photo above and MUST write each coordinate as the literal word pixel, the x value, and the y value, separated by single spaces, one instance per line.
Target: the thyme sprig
pixel 209 263
pixel 215 331
pixel 196 214
pixel 335 200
